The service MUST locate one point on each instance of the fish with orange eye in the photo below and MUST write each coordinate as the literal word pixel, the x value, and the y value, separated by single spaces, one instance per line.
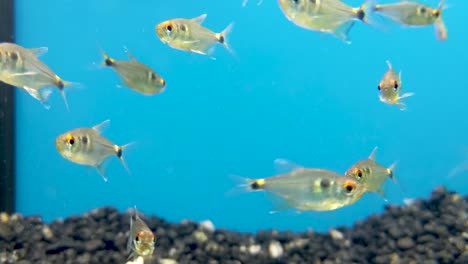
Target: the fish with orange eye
pixel 305 189
pixel 87 146
pixel 372 174
pixel 189 35
pixel 390 88
pixel 141 240
pixel 411 13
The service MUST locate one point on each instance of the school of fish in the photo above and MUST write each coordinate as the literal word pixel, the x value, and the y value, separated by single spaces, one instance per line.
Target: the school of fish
pixel 298 187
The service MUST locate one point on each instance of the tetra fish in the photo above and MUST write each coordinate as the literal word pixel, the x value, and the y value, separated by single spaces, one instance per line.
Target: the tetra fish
pixel 21 67
pixel 137 75
pixel 190 35
pixel 141 239
pixel 390 87
pixel 328 16
pixel 411 13
pixel 87 146
pixel 371 174
pixel 308 189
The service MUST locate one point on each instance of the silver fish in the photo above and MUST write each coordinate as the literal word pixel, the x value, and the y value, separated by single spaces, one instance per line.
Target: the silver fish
pixel 21 67
pixel 141 239
pixel 87 146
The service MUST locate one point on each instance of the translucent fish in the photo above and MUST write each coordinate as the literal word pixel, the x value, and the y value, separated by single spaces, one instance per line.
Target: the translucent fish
pixel 410 13
pixel 390 87
pixel 87 146
pixel 328 16
pixel 141 239
pixel 21 67
pixel 137 75
pixel 307 189
pixel 190 35
pixel 371 174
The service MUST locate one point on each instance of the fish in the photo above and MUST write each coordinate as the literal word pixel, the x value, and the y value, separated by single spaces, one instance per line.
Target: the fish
pixel 136 75
pixel 328 16
pixel 141 239
pixel 372 174
pixel 22 68
pixel 87 146
pixel 390 87
pixel 189 35
pixel 306 189
pixel 410 13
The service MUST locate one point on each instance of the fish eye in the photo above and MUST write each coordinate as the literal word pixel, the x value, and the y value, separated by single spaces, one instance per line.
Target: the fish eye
pixel 70 140
pixel 296 1
pixel 358 173
pixel 349 186
pixel 169 27
pixel 379 87
pixel 395 85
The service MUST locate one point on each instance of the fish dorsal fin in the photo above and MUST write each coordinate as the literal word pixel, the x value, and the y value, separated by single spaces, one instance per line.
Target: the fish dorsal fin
pixel 39 51
pixel 372 155
pixel 129 54
pixel 286 166
pixel 102 126
pixel 389 64
pixel 199 19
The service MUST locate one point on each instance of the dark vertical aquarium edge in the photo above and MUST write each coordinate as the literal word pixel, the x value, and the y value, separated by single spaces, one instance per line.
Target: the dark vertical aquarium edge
pixel 7 118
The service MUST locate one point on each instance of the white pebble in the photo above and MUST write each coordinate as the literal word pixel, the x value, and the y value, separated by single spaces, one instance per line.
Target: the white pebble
pixel 276 250
pixel 335 234
pixel 207 225
pixel 167 261
pixel 139 260
pixel 255 249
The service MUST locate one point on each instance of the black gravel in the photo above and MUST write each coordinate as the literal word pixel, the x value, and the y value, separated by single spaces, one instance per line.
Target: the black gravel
pixel 432 231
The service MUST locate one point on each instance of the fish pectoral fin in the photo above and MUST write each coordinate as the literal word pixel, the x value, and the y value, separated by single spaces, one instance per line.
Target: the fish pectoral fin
pixel 199 19
pixel 39 51
pixel 285 166
pixel 405 95
pixel 40 94
pixel 102 126
pixel 29 73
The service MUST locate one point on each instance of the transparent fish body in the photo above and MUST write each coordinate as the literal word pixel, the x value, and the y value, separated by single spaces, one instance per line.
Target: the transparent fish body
pixel 137 75
pixel 86 146
pixel 141 239
pixel 190 35
pixel 311 189
pixel 328 16
pixel 411 13
pixel 371 174
pixel 21 67
pixel 390 88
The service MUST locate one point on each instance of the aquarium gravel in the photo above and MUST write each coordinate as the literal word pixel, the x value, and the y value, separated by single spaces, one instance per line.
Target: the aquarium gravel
pixel 425 231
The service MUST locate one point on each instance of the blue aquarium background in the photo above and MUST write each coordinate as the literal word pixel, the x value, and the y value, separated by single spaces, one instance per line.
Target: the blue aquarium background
pixel 291 93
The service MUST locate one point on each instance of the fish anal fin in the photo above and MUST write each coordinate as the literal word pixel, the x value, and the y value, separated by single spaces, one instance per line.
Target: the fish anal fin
pixel 101 168
pixel 41 95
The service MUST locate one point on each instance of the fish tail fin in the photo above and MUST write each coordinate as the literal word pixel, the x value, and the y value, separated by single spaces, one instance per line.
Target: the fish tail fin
pixel 244 185
pixel 391 175
pixel 61 84
pixel 119 153
pixel 223 38
pixel 108 61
